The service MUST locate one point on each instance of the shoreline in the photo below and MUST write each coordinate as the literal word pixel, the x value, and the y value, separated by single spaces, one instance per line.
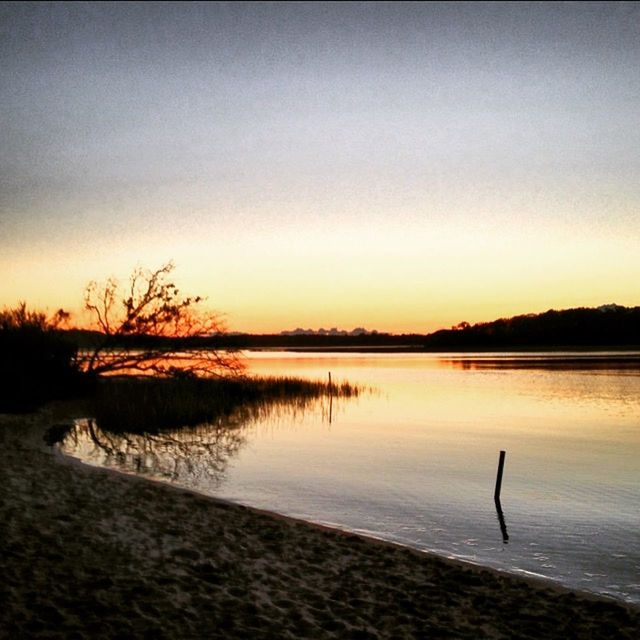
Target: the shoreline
pixel 535 581
pixel 92 552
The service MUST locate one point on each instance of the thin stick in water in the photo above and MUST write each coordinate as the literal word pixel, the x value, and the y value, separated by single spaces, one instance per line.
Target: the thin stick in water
pixel 496 494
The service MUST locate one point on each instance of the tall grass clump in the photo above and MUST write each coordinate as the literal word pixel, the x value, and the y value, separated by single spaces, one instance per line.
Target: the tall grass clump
pixel 148 405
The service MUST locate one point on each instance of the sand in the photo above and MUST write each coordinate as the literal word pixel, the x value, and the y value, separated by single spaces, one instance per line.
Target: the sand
pixel 89 553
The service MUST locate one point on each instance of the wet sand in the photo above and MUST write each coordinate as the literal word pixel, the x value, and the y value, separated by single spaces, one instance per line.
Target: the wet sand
pixel 89 553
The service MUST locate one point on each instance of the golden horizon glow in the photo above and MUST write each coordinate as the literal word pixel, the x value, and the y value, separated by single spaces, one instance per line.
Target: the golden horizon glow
pixel 397 281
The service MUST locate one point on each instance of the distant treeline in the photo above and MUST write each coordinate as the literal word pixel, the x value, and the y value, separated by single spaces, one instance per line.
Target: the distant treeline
pixel 87 339
pixel 608 326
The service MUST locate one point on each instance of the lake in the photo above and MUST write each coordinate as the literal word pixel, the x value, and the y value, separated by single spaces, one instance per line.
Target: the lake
pixel 413 460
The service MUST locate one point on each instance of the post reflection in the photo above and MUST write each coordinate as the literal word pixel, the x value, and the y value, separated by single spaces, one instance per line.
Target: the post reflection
pixel 501 521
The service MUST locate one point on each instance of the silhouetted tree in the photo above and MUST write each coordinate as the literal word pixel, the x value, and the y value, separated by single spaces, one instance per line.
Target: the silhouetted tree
pixel 150 329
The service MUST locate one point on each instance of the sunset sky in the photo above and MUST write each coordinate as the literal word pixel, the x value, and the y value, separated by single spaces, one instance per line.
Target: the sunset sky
pixel 401 167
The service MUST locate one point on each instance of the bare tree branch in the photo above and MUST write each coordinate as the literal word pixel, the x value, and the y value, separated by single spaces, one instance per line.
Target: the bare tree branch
pixel 152 330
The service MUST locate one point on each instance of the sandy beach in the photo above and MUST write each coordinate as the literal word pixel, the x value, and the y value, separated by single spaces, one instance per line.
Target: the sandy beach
pixel 88 553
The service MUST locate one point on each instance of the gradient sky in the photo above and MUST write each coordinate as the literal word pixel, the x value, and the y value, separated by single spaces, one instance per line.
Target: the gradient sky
pixel 397 166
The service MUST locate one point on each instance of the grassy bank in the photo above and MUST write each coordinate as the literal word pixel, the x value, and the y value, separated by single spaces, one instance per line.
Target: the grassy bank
pixel 137 405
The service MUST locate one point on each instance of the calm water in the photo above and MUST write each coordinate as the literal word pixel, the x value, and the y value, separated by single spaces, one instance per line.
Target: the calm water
pixel 415 460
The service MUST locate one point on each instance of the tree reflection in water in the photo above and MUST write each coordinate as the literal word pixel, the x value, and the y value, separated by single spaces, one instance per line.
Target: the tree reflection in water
pixel 187 455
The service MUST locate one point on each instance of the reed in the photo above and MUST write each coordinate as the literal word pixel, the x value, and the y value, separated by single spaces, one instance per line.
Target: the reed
pixel 148 405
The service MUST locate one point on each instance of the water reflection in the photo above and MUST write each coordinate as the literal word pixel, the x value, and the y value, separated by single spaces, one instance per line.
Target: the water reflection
pixel 415 462
pixel 549 361
pixel 191 456
pixel 501 522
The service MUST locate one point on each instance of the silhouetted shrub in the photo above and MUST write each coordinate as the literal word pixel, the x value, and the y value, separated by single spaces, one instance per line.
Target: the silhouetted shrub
pixel 36 362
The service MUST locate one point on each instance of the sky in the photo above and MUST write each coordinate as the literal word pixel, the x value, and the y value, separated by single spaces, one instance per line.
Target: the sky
pixel 398 166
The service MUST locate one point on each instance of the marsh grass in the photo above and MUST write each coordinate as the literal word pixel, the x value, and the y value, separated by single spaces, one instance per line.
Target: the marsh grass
pixel 149 405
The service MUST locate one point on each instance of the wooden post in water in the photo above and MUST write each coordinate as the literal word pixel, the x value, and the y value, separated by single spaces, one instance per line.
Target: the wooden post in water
pixel 330 399
pixel 496 495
